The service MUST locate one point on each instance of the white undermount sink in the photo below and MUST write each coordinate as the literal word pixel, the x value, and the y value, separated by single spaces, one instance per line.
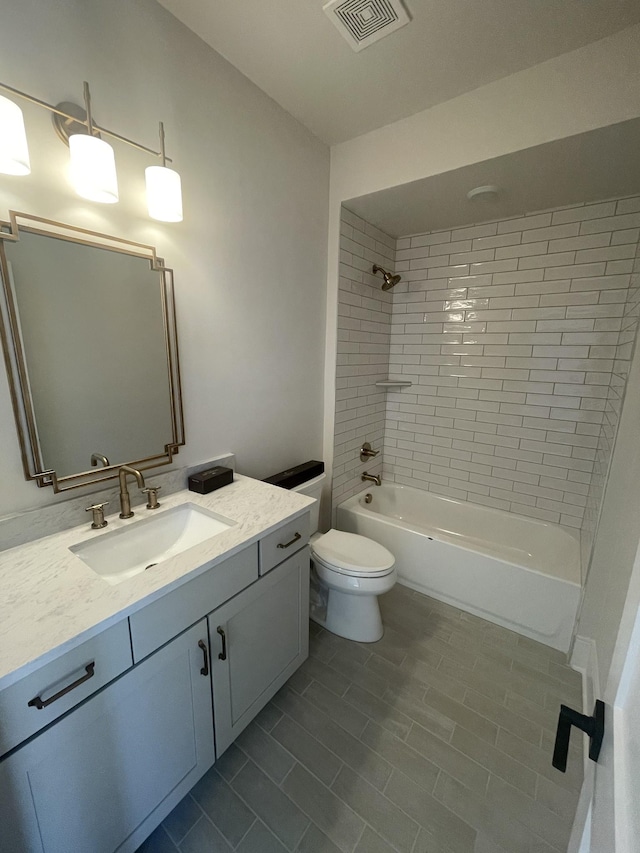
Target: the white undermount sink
pixel 126 552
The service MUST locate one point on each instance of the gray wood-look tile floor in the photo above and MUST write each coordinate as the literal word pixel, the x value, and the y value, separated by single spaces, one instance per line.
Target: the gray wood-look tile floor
pixel 437 739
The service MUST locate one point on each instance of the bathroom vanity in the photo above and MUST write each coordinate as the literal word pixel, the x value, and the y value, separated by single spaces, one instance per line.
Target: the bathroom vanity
pixel 115 698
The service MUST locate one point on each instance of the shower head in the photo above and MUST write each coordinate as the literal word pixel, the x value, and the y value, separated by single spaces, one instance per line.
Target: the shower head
pixel 389 279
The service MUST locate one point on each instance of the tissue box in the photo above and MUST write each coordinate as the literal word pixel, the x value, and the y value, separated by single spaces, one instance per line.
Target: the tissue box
pixel 208 481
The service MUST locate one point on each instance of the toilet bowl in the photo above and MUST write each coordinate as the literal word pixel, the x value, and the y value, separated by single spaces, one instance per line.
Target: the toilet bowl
pixel 349 572
pixel 352 571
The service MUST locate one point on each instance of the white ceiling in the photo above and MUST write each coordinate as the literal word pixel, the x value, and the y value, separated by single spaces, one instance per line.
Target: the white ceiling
pixel 601 164
pixel 291 50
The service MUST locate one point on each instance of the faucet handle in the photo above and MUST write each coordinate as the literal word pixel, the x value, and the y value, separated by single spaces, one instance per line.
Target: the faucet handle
pixel 99 521
pixel 367 453
pixel 152 496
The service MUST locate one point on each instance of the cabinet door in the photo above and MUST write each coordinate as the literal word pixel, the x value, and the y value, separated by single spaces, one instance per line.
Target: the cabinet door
pixel 258 640
pixel 104 776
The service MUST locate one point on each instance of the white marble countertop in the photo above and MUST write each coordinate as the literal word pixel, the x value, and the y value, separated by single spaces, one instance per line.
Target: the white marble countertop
pixel 50 600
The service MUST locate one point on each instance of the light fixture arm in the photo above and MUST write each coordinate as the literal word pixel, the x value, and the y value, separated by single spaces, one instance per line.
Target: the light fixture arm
pixel 163 155
pixel 87 106
pixel 95 129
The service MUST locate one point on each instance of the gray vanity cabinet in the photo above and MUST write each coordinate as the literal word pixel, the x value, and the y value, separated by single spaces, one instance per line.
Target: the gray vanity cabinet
pixel 258 640
pixel 103 777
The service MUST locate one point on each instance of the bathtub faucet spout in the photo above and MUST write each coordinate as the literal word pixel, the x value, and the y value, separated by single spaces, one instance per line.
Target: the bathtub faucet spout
pixel 372 478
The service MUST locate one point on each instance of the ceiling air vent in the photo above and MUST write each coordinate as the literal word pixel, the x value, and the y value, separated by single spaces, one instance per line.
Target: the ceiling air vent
pixel 363 22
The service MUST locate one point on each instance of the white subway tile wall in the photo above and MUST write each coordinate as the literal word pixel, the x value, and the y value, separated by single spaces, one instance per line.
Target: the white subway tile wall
pixel 364 331
pixel 517 336
pixel 615 393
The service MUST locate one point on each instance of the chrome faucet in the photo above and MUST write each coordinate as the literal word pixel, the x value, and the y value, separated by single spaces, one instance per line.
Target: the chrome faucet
pixel 125 502
pixel 372 478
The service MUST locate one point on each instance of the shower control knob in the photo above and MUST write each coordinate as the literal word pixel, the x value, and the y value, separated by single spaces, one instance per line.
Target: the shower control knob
pixel 367 453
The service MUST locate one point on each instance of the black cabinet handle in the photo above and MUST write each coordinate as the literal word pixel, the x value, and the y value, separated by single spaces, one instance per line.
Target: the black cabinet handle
pixel 290 543
pixel 592 726
pixel 205 669
pixel 223 653
pixel 39 703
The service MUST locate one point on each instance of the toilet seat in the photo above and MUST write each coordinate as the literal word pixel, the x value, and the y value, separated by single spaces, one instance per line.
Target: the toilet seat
pixel 352 554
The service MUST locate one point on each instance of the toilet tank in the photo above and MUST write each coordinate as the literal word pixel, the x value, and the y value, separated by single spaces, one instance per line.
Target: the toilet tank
pixel 308 479
pixel 313 489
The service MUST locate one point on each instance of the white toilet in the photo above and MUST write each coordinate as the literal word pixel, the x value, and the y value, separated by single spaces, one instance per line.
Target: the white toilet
pixel 351 572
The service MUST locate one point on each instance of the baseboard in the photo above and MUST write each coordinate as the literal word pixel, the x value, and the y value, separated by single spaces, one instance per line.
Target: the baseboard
pixel 584 659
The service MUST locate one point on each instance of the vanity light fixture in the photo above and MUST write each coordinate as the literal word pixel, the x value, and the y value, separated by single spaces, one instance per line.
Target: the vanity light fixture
pixel 93 163
pixel 164 190
pixel 14 153
pixel 93 170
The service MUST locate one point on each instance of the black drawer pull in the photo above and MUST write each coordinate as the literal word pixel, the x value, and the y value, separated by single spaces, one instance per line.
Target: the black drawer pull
pixel 205 669
pixel 592 726
pixel 39 704
pixel 223 654
pixel 292 542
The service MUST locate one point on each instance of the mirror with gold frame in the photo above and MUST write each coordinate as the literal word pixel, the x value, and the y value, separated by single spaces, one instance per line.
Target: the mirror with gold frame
pixel 90 343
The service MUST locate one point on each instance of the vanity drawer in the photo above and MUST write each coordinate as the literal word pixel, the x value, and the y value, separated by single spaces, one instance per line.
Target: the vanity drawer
pixel 159 622
pixel 284 542
pixel 41 697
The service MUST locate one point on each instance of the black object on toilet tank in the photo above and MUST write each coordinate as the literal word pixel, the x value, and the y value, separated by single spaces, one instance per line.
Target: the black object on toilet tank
pixel 293 477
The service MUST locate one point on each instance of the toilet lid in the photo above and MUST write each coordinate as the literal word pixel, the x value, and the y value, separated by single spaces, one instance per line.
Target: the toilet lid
pixel 352 554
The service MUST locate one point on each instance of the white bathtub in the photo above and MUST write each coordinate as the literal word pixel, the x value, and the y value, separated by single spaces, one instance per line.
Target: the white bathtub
pixel 514 571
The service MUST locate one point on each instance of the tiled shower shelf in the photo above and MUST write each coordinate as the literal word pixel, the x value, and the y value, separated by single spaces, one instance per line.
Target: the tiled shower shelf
pixel 393 383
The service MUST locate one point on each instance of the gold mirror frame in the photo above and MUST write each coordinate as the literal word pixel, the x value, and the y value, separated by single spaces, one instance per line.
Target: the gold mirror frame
pixel 15 361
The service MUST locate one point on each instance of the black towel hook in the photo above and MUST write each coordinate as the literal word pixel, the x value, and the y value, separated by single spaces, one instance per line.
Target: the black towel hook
pixel 592 726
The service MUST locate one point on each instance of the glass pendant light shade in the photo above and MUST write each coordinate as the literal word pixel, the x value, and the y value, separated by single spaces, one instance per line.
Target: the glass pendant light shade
pixel 14 153
pixel 93 168
pixel 164 194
